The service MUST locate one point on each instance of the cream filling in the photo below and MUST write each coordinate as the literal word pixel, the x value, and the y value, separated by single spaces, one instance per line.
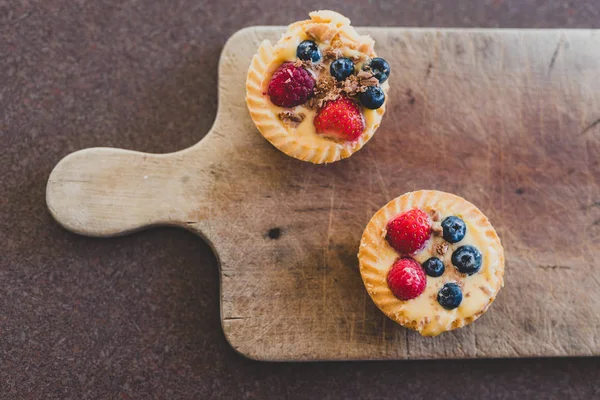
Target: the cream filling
pixel 284 51
pixel 477 288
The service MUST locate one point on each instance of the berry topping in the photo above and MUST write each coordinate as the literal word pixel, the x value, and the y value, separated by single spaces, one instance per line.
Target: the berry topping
pixel 450 296
pixel 308 51
pixel 408 232
pixel 340 119
pixel 290 85
pixel 406 279
pixel 454 229
pixel 341 68
pixel 434 267
pixel 372 98
pixel 467 259
pixel 380 69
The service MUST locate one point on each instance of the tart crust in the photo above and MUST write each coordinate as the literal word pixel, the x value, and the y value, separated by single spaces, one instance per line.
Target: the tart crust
pixel 424 314
pixel 333 33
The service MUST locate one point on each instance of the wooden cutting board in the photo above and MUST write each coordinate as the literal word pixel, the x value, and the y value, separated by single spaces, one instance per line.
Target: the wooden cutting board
pixel 508 119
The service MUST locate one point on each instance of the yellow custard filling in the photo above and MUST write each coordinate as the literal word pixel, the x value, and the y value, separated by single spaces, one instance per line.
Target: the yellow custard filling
pixel 285 51
pixel 476 288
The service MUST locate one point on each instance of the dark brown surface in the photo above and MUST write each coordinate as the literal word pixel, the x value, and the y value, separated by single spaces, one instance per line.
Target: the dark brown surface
pixel 138 317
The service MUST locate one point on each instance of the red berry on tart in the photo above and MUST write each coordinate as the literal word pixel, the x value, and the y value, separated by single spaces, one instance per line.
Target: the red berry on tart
pixel 290 85
pixel 406 279
pixel 408 232
pixel 340 119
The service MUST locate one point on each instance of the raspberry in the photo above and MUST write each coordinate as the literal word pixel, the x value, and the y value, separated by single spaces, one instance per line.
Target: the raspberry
pixel 290 86
pixel 406 279
pixel 341 119
pixel 408 232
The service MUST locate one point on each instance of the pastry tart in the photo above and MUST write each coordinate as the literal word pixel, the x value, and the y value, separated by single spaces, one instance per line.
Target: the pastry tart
pixel 431 261
pixel 319 93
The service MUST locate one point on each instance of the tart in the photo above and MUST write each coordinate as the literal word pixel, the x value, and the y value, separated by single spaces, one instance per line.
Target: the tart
pixel 431 261
pixel 319 93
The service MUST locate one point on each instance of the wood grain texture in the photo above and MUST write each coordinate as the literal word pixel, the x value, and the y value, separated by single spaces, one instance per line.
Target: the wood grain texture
pixel 507 119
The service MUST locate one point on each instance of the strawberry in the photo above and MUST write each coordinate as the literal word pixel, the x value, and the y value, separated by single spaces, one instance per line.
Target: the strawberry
pixel 341 119
pixel 406 279
pixel 290 85
pixel 408 232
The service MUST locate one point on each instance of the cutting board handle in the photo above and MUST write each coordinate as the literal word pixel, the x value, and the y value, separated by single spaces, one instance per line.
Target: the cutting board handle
pixel 108 192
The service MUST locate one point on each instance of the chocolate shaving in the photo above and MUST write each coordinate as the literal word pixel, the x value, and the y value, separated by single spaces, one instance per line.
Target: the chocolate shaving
pixel 309 65
pixel 332 54
pixel 441 248
pixel 358 83
pixel 324 86
pixel 367 78
pixel 318 67
pixel 435 215
pixel 362 74
pixel 291 119
pixel 326 90
pixel 329 89
pixel 351 85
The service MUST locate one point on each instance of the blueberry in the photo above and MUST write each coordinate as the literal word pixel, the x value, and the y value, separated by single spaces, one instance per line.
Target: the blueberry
pixel 380 69
pixel 308 50
pixel 467 259
pixel 372 98
pixel 434 267
pixel 450 296
pixel 341 68
pixel 454 229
